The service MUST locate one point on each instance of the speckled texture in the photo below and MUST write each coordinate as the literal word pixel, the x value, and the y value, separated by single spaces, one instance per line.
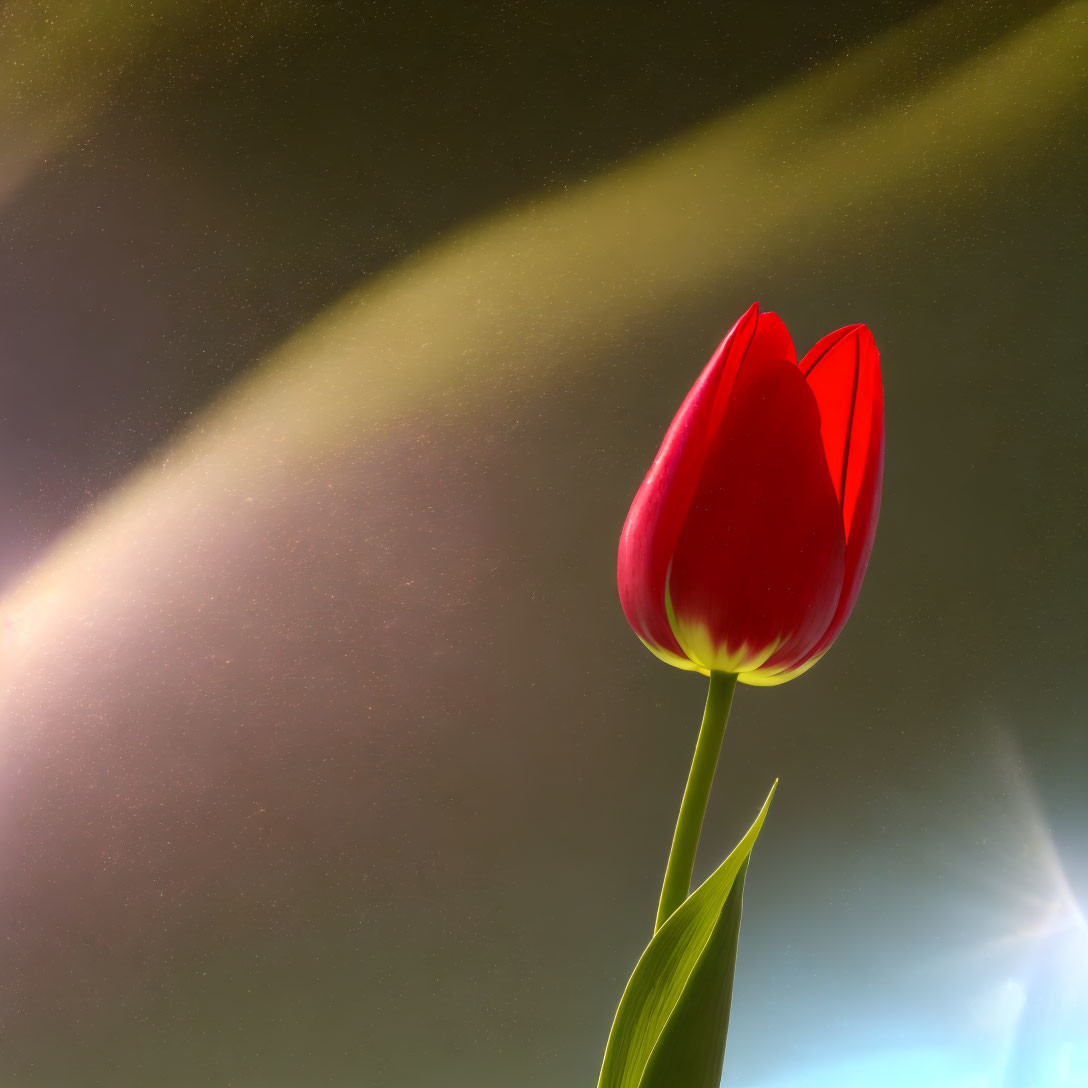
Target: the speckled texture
pixel 326 755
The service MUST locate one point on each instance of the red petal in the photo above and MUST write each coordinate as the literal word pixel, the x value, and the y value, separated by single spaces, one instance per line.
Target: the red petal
pixel 758 565
pixel 662 502
pixel 843 371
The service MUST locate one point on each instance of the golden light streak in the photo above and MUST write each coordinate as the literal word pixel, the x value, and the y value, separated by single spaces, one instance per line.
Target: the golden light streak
pixel 513 303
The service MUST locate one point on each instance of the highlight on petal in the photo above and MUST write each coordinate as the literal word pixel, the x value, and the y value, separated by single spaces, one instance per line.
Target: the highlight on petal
pixel 853 430
pixel 843 372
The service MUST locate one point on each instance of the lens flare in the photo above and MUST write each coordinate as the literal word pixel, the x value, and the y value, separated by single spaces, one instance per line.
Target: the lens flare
pixel 1024 1024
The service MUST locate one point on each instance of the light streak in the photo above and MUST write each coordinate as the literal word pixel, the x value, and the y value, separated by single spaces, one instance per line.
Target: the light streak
pixel 514 303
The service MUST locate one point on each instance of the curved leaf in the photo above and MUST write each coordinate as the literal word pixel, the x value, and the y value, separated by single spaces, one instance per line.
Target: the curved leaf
pixel 669 1030
pixel 691 1047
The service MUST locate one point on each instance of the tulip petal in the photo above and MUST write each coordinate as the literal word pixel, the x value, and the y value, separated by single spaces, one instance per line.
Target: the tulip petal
pixel 772 674
pixel 661 505
pixel 758 565
pixel 843 371
pixel 852 359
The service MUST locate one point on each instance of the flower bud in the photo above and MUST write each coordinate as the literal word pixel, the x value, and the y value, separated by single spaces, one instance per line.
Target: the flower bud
pixel 745 546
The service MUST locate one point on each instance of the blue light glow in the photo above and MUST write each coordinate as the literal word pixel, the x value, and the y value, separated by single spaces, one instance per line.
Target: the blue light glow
pixel 1004 1006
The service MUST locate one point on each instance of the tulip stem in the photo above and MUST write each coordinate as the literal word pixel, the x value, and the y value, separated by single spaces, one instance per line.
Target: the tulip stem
pixel 689 823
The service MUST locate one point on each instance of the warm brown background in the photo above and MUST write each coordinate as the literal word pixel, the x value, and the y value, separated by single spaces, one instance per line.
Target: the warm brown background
pixel 326 757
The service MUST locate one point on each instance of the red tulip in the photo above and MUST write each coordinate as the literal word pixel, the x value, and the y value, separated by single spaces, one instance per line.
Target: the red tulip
pixel 746 544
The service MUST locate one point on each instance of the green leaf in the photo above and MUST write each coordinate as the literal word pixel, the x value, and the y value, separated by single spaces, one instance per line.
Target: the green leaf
pixel 669 1030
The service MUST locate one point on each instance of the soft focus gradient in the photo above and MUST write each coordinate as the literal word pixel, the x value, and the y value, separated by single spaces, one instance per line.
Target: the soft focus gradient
pixel 335 340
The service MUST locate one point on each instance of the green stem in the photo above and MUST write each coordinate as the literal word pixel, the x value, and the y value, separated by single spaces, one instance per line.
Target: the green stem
pixel 689 823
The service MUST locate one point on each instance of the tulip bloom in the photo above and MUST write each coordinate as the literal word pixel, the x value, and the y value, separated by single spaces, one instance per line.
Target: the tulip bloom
pixel 747 542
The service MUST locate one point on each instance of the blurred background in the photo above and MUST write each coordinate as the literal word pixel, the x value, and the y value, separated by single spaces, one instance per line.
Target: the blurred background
pixel 334 342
